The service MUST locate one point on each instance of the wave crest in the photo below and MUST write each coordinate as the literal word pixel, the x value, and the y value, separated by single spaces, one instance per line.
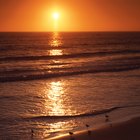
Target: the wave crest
pixel 88 114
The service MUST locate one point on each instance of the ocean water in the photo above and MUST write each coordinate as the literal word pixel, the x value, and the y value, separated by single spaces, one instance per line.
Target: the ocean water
pixel 53 83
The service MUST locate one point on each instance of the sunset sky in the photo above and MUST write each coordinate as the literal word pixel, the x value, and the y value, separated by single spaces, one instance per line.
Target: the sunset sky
pixel 74 15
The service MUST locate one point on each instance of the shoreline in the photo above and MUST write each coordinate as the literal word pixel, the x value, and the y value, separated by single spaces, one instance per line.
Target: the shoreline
pixel 127 130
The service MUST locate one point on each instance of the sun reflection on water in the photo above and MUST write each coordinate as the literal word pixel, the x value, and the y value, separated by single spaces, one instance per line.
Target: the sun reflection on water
pixel 55 95
pixel 56 43
pixel 56 40
pixel 55 103
pixel 56 52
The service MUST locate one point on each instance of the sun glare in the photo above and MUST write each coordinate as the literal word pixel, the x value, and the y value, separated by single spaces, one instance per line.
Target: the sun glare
pixel 56 16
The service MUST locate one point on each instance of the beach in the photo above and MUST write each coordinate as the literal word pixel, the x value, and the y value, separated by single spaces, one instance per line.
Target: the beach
pixel 128 130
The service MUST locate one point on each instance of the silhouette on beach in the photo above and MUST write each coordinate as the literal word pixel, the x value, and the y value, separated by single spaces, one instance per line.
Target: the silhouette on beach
pixel 107 117
pixel 89 132
pixel 71 134
pixel 32 133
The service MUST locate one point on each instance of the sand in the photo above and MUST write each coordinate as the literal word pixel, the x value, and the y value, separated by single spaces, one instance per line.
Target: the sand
pixel 129 130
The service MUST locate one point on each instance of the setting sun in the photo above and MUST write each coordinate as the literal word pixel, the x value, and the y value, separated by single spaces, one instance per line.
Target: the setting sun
pixel 56 16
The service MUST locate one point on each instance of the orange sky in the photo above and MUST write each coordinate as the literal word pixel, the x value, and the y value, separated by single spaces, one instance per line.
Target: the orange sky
pixel 75 15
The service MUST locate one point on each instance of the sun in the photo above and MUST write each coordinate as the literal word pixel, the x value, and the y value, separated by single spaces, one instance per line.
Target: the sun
pixel 55 15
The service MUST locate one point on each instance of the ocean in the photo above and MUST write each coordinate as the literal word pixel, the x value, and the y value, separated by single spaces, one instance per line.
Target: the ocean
pixel 55 83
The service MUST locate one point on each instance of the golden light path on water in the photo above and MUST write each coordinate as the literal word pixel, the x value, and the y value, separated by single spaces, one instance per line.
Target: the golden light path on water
pixel 55 98
pixel 56 43
pixel 55 94
pixel 54 101
pixel 55 91
pixel 56 40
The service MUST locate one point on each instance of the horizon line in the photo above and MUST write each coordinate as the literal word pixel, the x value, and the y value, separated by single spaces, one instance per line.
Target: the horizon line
pixel 65 31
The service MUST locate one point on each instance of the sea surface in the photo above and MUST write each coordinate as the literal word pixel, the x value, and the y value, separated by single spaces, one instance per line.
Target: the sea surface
pixel 54 83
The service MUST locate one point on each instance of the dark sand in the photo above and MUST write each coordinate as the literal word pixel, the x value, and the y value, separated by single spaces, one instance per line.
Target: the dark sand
pixel 129 130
